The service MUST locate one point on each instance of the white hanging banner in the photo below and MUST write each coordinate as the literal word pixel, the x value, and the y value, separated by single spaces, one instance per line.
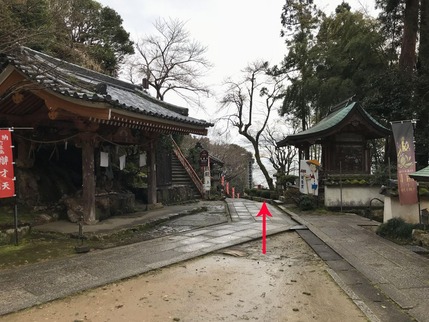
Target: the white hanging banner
pixel 207 181
pixel 104 159
pixel 143 159
pixel 122 162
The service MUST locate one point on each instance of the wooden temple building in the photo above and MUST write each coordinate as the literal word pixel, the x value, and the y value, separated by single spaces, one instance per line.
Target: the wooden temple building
pixel 47 100
pixel 343 137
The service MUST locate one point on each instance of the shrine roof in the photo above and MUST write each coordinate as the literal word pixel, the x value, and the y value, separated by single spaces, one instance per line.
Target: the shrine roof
pixel 73 81
pixel 421 175
pixel 340 116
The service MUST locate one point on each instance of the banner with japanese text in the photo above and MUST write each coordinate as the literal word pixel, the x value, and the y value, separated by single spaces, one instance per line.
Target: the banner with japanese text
pixel 403 134
pixel 7 177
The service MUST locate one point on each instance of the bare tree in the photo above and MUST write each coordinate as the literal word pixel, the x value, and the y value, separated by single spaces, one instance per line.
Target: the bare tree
pixel 280 157
pixel 250 115
pixel 171 61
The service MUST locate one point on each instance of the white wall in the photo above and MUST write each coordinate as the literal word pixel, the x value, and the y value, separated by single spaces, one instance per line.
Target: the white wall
pixel 410 213
pixel 352 196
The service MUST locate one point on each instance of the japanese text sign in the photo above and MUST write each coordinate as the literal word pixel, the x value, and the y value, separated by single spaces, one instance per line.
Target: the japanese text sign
pixel 7 177
pixel 204 158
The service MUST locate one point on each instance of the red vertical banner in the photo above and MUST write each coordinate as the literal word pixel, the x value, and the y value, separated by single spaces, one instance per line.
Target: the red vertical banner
pixel 7 176
pixel 233 192
pixel 227 188
pixel 403 134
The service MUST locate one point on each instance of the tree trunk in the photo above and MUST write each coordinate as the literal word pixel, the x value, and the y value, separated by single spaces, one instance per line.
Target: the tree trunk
pixel 423 61
pixel 422 131
pixel 262 167
pixel 407 59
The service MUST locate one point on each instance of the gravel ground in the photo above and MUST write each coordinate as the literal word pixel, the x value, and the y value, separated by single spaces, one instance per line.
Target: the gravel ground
pixel 289 283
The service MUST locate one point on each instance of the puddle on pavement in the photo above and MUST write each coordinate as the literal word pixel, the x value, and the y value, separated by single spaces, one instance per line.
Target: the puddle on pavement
pixel 289 281
pixel 185 223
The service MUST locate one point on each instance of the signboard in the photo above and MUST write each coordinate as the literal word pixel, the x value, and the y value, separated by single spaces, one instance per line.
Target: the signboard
pixel 204 158
pixel 309 177
pixel 207 180
pixel 403 134
pixel 7 177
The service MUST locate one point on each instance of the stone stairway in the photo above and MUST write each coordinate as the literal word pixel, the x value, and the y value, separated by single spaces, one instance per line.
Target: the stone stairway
pixel 180 177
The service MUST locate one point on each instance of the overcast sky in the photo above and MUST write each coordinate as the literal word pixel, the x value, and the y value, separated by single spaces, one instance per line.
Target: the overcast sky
pixel 236 32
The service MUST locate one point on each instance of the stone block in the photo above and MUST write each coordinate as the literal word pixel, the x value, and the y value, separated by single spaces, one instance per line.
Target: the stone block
pixel 421 237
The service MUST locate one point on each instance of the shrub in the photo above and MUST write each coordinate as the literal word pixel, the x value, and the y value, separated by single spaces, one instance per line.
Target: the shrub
pixel 423 191
pixel 285 180
pixel 253 192
pixel 306 202
pixel 290 178
pixel 265 194
pixel 274 195
pixel 395 228
pixel 292 196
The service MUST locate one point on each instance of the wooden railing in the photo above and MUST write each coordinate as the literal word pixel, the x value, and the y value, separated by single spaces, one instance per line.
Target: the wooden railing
pixel 188 167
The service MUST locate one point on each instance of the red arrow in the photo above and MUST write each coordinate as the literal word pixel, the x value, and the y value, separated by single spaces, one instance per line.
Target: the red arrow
pixel 264 212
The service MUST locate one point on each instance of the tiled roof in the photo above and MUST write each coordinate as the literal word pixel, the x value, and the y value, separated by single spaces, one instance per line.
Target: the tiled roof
pixel 330 121
pixel 421 175
pixel 337 117
pixel 71 80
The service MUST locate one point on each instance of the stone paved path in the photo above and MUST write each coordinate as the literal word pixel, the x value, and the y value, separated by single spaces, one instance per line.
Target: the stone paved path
pixel 33 284
pixel 397 271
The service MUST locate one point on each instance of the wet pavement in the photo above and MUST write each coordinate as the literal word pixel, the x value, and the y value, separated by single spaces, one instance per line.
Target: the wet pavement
pixel 388 282
pixel 386 275
pixel 38 283
pixel 183 217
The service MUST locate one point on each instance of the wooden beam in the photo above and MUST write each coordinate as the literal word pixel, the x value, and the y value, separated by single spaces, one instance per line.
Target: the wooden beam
pixel 24 157
pixel 152 185
pixel 160 125
pixel 75 106
pixel 85 126
pixel 11 79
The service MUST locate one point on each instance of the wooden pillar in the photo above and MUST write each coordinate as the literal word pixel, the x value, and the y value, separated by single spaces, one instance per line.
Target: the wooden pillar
pixel 151 189
pixel 88 177
pixel 24 159
pixel 307 152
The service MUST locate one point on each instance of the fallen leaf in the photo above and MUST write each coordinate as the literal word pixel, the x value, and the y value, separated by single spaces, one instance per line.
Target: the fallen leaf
pixel 234 252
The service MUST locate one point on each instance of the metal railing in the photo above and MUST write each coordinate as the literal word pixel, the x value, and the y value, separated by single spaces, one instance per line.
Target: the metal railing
pixel 188 167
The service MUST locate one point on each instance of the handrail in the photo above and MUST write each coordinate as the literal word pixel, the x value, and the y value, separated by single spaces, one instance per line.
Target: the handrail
pixel 370 204
pixel 189 169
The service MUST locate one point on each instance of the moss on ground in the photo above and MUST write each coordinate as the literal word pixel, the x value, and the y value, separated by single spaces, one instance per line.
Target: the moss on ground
pixel 42 246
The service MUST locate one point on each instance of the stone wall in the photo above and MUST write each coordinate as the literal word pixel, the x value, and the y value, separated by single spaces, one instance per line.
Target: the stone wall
pixel 175 194
pixel 7 236
pixel 107 205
